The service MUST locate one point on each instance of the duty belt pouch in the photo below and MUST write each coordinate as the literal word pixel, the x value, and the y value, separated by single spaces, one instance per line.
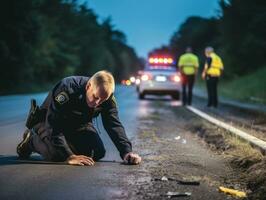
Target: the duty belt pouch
pixel 34 115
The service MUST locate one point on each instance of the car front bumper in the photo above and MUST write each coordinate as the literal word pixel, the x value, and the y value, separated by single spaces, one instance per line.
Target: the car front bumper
pixel 155 87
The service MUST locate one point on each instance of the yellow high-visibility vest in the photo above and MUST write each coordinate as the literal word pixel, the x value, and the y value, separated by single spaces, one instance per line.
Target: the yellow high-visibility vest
pixel 216 65
pixel 189 62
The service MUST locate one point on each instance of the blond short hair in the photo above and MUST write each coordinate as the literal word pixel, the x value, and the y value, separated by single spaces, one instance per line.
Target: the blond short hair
pixel 105 80
pixel 209 49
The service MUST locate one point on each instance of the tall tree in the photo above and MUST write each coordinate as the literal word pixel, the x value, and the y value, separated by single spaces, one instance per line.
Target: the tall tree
pixel 196 32
pixel 42 41
pixel 243 30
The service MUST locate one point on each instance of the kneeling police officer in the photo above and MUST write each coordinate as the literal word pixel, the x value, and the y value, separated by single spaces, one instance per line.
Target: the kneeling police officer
pixel 62 129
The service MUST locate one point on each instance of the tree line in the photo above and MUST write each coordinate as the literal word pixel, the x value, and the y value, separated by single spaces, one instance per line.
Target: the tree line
pixel 42 41
pixel 237 34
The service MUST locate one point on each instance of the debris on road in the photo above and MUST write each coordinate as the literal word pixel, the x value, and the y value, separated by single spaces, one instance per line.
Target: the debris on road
pixel 177 194
pixel 184 141
pixel 164 178
pixel 181 182
pixel 171 162
pixel 177 138
pixel 233 192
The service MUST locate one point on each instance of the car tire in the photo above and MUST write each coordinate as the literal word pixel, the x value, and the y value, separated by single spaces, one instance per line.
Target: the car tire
pixel 141 95
pixel 176 96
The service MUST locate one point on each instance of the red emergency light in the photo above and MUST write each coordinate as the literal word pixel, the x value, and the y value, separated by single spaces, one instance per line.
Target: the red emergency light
pixel 161 60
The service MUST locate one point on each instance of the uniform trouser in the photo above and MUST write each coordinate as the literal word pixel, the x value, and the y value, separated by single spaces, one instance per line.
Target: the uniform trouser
pixel 187 82
pixel 212 83
pixel 83 141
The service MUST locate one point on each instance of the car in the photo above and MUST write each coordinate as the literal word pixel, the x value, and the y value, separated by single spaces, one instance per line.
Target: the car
pixel 137 82
pixel 160 77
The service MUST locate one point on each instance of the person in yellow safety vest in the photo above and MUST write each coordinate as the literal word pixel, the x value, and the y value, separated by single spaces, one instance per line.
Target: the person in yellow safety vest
pixel 188 64
pixel 212 71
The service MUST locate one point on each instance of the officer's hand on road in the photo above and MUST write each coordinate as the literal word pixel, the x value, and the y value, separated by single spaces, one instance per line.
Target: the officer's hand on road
pixel 132 158
pixel 80 160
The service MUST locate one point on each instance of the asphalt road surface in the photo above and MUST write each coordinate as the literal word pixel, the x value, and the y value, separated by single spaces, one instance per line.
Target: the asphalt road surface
pixel 150 124
pixel 36 179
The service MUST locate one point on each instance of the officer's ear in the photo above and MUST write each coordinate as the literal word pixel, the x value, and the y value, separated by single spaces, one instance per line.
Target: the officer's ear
pixel 88 86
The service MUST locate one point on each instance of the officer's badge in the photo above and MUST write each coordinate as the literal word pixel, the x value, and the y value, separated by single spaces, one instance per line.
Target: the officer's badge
pixel 62 98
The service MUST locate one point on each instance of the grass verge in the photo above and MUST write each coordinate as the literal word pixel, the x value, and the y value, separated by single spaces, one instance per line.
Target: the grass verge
pixel 249 88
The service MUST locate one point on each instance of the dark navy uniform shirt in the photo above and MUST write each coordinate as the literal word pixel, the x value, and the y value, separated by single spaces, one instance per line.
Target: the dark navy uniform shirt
pixel 67 110
pixel 209 61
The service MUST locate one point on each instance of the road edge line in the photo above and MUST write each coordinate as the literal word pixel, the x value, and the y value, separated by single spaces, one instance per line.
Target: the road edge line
pixel 249 138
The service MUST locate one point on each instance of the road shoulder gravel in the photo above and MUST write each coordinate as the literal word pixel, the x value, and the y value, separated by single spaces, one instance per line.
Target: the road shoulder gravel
pixel 170 148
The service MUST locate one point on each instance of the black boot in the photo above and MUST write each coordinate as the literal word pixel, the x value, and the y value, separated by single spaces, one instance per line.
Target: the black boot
pixel 24 149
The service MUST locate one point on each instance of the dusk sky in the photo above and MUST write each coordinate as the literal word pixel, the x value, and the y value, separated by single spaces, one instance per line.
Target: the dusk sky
pixel 149 24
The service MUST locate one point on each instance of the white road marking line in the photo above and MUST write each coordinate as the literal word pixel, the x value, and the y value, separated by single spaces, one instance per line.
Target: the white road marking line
pixel 249 138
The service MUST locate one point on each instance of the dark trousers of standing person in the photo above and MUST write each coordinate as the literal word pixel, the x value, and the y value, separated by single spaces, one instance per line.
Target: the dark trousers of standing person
pixel 212 83
pixel 187 82
pixel 82 141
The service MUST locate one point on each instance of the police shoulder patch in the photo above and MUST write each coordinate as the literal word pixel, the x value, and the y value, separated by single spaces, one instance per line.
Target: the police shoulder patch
pixel 62 98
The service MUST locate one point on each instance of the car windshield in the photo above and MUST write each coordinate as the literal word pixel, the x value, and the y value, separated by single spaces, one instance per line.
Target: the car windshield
pixel 161 68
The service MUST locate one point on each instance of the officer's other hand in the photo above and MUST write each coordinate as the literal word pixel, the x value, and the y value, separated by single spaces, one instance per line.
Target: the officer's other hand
pixel 203 75
pixel 80 160
pixel 132 158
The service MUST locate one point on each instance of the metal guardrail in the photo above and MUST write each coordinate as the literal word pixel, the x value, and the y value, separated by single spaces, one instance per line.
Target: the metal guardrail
pixel 245 136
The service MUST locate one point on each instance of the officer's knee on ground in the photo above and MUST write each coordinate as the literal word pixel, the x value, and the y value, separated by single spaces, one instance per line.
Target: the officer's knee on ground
pixel 57 157
pixel 99 154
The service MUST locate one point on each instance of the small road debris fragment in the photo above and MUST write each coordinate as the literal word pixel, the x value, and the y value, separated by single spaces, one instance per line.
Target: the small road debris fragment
pixel 232 192
pixel 177 194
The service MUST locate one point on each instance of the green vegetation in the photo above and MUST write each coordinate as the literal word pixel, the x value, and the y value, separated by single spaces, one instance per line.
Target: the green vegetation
pixel 42 41
pixel 250 87
pixel 242 149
